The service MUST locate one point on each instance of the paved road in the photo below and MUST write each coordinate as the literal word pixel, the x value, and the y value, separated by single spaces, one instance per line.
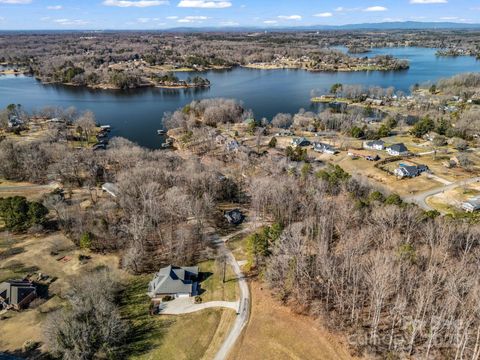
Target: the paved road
pixel 187 305
pixel 27 187
pixel 420 199
pixel 243 312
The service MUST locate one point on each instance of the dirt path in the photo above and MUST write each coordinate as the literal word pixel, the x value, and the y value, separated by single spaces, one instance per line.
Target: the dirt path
pixel 274 332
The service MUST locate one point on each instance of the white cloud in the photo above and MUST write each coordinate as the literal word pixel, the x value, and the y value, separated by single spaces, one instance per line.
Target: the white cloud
pixel 270 22
pixel 449 18
pixel 204 4
pixel 172 17
pixel 55 7
pixel 428 1
pixel 67 22
pixel 290 17
pixel 376 8
pixel 324 15
pixel 15 1
pixel 192 19
pixel 138 3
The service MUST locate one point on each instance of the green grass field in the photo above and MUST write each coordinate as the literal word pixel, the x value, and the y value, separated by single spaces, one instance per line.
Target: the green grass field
pixel 183 337
pixel 213 286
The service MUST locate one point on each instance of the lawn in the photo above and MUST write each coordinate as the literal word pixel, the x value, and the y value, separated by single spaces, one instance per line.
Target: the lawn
pixel 449 202
pixel 32 254
pixel 191 336
pixel 213 287
pixel 238 246
pixel 274 332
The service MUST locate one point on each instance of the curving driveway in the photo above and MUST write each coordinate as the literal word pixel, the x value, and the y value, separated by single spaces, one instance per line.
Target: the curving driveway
pixel 420 199
pixel 244 302
pixel 187 305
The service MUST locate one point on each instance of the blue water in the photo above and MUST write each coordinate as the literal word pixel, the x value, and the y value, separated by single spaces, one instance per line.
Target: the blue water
pixel 137 114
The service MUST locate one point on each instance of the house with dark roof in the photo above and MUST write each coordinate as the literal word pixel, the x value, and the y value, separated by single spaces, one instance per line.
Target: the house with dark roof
pixel 300 142
pixel 174 281
pixel 234 217
pixel 324 148
pixel 397 150
pixel 374 145
pixel 17 293
pixel 410 171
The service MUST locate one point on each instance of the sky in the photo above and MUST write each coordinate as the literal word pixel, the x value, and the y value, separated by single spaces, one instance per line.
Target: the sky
pixel 165 14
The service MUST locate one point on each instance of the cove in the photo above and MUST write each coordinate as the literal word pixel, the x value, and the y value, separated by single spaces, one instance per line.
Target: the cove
pixel 137 114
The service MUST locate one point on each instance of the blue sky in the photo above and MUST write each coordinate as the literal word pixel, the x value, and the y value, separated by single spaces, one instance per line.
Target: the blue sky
pixel 162 14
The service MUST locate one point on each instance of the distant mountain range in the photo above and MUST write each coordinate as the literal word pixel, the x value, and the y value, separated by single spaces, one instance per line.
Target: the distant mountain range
pixel 398 25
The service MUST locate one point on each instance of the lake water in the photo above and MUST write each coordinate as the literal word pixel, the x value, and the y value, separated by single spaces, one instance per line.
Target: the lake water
pixel 137 114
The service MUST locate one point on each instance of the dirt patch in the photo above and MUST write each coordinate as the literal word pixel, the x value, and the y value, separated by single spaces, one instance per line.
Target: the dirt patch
pixel 450 201
pixel 36 257
pixel 275 332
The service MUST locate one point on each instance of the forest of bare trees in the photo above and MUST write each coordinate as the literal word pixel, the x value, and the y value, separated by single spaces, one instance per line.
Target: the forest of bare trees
pixel 399 281
pixel 120 59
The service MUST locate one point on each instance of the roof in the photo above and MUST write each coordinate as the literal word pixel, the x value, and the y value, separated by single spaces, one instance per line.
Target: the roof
pixel 111 188
pixel 16 291
pixel 398 148
pixel 323 147
pixel 301 140
pixel 375 142
pixel 473 202
pixel 410 170
pixel 234 216
pixel 173 280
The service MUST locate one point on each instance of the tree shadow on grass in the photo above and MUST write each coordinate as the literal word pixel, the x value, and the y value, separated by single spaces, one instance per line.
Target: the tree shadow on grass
pixel 202 276
pixel 146 331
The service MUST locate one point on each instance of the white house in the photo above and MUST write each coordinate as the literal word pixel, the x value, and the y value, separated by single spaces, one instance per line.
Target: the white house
pixel 472 205
pixel 374 145
pixel 324 148
pixel 398 150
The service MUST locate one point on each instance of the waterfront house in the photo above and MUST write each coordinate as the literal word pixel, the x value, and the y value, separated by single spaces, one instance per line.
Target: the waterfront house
pixel 14 121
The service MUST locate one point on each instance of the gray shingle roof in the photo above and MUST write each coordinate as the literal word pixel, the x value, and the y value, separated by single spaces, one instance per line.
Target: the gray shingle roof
pixel 398 148
pixel 173 280
pixel 14 292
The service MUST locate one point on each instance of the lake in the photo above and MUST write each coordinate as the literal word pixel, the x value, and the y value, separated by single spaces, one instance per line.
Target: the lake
pixel 137 114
